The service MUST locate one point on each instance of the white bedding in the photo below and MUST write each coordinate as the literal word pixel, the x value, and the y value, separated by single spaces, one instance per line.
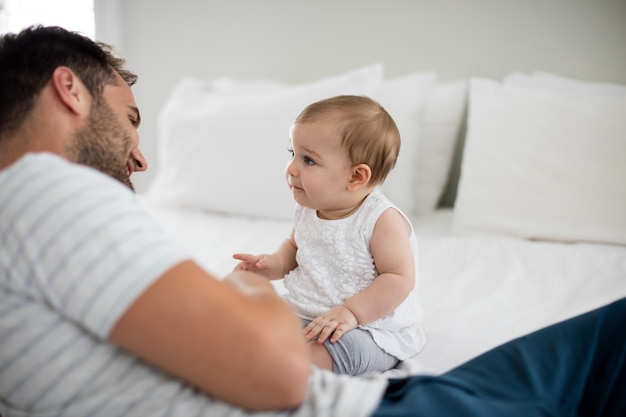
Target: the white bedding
pixel 541 177
pixel 476 291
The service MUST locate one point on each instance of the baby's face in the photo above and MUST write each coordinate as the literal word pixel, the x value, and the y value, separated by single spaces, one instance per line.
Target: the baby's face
pixel 319 170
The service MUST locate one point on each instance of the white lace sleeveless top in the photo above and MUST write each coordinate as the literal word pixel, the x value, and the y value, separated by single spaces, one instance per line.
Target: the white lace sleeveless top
pixel 335 263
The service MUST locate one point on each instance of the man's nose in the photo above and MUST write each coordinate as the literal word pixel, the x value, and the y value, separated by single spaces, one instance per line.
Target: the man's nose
pixel 139 160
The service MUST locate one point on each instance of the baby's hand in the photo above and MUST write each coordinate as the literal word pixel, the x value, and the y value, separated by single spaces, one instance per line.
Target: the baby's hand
pixel 335 323
pixel 260 264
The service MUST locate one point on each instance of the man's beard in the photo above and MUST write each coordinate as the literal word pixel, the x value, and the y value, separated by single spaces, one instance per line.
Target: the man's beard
pixel 103 144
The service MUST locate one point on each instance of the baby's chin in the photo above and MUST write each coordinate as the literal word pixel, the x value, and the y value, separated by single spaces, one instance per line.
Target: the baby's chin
pixel 300 197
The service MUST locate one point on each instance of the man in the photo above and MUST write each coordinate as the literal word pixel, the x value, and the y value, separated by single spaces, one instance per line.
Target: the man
pixel 102 315
pixel 64 95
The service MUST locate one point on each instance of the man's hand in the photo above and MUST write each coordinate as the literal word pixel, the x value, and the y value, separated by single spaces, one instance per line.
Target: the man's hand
pixel 332 325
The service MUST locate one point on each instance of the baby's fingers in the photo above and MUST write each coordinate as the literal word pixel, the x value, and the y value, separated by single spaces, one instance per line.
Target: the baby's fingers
pixel 246 257
pixel 321 330
pixel 248 262
pixel 312 330
pixel 340 330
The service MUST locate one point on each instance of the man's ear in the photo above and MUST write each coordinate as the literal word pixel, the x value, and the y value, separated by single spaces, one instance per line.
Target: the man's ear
pixel 71 91
pixel 361 175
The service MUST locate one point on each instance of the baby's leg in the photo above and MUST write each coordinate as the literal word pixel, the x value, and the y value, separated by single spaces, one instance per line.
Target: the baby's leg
pixel 320 356
pixel 355 353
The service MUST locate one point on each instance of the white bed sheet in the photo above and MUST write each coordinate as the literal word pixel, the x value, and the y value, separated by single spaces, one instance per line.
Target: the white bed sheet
pixel 476 291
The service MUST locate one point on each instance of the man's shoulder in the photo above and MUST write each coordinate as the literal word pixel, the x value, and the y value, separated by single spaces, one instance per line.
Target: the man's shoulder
pixel 34 160
pixel 43 187
pixel 46 168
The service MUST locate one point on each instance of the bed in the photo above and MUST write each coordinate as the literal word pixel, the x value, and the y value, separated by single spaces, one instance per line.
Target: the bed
pixel 535 163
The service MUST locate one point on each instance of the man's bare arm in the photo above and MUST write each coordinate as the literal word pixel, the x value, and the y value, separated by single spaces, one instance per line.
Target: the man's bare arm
pixel 236 340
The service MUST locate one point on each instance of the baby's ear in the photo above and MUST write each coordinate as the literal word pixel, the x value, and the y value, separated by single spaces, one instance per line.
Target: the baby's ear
pixel 361 175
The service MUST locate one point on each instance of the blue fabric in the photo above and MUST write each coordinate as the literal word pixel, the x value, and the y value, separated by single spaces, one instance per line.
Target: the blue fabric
pixel 573 368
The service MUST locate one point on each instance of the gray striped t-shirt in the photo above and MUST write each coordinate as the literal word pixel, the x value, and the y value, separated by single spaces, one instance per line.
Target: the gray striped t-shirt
pixel 76 249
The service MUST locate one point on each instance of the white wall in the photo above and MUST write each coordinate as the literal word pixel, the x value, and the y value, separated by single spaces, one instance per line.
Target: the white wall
pixel 298 41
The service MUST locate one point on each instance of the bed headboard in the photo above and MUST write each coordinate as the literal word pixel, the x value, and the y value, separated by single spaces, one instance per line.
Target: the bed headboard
pixel 302 41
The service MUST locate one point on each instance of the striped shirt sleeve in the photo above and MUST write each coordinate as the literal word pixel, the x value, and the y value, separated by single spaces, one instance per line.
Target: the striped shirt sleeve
pixel 79 242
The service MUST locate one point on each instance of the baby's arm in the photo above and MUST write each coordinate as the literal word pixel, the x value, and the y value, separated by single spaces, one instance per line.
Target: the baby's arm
pixel 274 266
pixel 394 260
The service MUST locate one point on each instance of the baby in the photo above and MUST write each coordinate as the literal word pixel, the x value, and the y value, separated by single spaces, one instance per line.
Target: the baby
pixel 349 264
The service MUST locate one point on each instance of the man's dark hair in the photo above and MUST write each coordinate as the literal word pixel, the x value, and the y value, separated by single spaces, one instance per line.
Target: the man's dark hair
pixel 28 59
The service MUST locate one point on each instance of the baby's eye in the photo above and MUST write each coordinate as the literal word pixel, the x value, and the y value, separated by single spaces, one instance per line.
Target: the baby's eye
pixel 291 152
pixel 308 161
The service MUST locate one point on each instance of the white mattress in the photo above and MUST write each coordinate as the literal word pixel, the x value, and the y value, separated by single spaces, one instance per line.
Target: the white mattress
pixel 476 291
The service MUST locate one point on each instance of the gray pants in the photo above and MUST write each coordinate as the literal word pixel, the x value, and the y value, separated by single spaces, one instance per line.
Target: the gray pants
pixel 356 353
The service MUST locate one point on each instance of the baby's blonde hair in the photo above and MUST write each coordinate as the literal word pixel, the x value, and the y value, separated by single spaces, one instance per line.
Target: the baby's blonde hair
pixel 369 134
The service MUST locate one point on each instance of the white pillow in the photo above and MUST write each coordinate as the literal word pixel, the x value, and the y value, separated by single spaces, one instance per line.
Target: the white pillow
pixel 405 99
pixel 441 126
pixel 559 84
pixel 230 85
pixel 226 152
pixel 543 165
